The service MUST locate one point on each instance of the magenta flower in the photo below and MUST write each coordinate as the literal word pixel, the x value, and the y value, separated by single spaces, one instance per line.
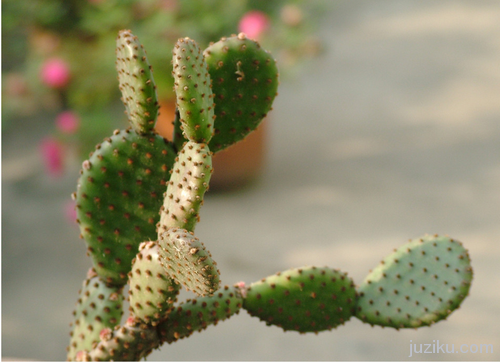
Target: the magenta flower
pixel 67 122
pixel 253 24
pixel 55 73
pixel 52 153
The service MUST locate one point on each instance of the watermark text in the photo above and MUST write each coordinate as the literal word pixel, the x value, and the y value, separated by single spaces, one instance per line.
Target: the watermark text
pixel 437 347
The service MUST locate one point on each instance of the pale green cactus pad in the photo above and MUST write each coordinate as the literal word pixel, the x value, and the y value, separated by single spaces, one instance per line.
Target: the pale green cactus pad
pixel 188 261
pixel 188 183
pixel 419 284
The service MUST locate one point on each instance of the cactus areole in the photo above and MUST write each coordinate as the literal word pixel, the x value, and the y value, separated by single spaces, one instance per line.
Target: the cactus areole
pixel 138 202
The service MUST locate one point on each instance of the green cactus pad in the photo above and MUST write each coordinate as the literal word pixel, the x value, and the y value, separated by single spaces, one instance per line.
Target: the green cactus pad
pixel 98 307
pixel 118 197
pixel 308 299
pixel 419 284
pixel 187 260
pixel 197 314
pixel 136 83
pixel 193 90
pixel 152 292
pixel 188 183
pixel 245 82
pixel 130 342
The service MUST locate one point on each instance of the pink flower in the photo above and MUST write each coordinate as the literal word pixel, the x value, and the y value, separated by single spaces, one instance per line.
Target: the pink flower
pixel 52 154
pixel 253 24
pixel 55 73
pixel 67 122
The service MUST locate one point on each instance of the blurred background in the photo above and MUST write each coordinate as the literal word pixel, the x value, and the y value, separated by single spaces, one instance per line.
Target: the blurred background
pixel 386 127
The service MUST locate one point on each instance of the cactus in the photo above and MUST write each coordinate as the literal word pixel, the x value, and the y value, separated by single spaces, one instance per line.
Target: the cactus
pixel 419 284
pixel 138 202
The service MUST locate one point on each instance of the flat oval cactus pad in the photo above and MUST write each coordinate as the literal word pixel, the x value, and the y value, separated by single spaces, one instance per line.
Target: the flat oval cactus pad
pixel 419 284
pixel 245 82
pixel 118 197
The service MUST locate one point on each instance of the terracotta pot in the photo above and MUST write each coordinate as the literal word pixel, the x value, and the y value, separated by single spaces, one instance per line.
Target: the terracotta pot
pixel 235 166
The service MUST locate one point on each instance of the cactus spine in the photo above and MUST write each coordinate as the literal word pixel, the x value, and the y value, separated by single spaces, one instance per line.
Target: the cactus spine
pixel 136 236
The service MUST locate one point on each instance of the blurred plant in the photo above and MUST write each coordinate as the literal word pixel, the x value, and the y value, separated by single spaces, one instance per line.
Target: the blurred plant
pixel 58 56
pixel 52 153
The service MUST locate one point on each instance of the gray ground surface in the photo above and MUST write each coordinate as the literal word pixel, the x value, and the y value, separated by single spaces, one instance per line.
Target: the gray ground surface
pixel 393 133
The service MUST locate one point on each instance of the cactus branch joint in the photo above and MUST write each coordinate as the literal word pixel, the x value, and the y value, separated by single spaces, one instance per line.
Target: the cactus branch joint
pixel 138 200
